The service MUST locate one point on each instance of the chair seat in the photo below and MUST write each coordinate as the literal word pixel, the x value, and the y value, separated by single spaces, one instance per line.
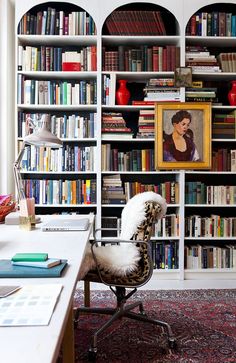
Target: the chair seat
pixel 135 278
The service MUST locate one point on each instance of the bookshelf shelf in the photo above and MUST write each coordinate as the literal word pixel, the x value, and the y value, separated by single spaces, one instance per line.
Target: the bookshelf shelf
pixel 211 41
pixel 57 107
pixel 61 40
pixel 180 11
pixel 59 75
pixel 137 39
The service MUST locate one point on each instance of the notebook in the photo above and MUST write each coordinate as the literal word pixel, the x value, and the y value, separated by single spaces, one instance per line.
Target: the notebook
pixel 66 225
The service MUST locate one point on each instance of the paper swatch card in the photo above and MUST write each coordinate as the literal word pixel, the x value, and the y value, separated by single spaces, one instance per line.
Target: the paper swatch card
pixel 31 305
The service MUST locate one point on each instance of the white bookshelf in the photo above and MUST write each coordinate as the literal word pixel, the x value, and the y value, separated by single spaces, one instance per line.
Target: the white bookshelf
pixel 182 10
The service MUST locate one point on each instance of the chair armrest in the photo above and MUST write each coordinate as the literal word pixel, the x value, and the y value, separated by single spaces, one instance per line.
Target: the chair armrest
pixel 104 229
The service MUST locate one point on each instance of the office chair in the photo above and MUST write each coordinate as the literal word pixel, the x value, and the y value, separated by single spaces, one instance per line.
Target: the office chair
pixel 127 264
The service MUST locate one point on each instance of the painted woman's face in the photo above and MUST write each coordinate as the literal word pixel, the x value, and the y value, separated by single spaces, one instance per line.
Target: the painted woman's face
pixel 182 126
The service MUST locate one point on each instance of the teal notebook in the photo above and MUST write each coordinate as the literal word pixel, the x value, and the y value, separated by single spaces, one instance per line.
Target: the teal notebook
pixel 9 270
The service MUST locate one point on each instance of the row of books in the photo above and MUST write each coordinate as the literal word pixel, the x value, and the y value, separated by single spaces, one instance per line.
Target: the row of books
pixel 46 58
pixel 212 226
pixel 169 190
pixel 72 126
pixel 203 256
pixel 57 22
pixel 168 226
pixel 165 255
pixel 223 159
pixel 197 192
pixel 50 192
pixel 67 158
pixel 143 58
pixel 215 23
pixel 227 61
pixel 135 22
pixel 109 90
pixel 132 160
pixel 56 92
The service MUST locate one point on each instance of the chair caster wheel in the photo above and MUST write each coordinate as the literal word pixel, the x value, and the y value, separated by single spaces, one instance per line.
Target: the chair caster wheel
pixel 92 354
pixel 172 343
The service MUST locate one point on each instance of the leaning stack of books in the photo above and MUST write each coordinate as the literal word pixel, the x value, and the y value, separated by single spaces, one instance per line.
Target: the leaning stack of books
pixel 114 126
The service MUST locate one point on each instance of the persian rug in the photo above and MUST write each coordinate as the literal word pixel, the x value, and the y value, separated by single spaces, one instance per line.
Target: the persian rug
pixel 203 321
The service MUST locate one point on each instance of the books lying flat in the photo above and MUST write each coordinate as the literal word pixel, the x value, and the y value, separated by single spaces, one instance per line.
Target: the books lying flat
pixel 30 257
pixel 7 269
pixel 50 262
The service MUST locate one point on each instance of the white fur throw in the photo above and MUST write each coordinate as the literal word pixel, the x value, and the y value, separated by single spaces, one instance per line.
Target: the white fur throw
pixel 122 259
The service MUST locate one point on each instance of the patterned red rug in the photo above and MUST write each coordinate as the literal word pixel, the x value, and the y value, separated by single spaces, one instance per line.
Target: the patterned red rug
pixel 203 321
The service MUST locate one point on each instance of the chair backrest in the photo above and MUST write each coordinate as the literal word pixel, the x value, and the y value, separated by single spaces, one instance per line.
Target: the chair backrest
pixel 145 267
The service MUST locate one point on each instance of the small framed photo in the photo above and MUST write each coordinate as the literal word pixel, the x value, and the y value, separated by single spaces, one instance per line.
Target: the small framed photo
pixel 183 77
pixel 183 135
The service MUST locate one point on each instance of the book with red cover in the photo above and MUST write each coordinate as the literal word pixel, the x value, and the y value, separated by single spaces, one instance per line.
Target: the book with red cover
pixel 71 66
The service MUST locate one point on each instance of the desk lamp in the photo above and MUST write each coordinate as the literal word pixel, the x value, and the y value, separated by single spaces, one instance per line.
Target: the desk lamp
pixel 41 136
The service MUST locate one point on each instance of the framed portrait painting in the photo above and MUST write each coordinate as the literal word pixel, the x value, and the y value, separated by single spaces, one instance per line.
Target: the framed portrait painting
pixel 183 135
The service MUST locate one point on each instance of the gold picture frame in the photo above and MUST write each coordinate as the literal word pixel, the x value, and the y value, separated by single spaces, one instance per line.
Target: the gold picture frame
pixel 183 135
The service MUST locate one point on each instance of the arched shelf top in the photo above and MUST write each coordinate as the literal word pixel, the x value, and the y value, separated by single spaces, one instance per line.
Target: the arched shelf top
pixel 56 18
pixel 213 8
pixel 141 19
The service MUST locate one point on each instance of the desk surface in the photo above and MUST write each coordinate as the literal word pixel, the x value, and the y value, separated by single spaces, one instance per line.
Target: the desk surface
pixel 41 344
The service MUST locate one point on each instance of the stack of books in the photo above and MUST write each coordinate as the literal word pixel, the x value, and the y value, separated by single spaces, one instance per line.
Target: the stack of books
pixel 114 125
pixel 146 124
pixel 40 260
pixel 224 126
pixel 200 60
pixel 203 94
pixel 112 190
pixel 32 265
pixel 161 90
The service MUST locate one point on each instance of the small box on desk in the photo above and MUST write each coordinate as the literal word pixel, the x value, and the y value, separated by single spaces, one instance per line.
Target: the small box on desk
pixel 71 66
pixel 14 218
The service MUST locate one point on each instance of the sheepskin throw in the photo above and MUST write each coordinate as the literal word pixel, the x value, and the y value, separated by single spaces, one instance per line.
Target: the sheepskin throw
pixel 122 259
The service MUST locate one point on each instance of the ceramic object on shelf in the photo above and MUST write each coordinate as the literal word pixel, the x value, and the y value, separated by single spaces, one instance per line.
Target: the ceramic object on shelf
pixel 232 94
pixel 122 94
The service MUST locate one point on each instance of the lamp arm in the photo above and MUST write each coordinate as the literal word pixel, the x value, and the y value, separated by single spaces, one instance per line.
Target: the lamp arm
pixel 17 173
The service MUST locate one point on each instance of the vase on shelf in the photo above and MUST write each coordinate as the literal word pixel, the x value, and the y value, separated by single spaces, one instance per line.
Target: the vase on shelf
pixel 232 94
pixel 122 93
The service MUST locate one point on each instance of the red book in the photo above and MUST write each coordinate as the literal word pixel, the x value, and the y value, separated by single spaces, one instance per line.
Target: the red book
pixel 71 66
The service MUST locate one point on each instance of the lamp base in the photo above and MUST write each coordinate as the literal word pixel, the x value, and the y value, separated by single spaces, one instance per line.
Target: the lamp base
pixel 27 214
pixel 27 223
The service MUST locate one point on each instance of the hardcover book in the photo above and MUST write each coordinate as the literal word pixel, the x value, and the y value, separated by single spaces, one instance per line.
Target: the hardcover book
pixel 7 269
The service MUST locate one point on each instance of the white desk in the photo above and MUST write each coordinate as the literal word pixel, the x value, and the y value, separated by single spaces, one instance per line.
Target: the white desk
pixel 41 344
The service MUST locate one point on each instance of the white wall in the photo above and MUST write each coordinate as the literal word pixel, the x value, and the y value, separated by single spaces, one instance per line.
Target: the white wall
pixel 6 96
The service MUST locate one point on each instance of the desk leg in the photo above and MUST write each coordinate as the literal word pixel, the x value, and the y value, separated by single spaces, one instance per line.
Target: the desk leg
pixel 86 293
pixel 68 347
